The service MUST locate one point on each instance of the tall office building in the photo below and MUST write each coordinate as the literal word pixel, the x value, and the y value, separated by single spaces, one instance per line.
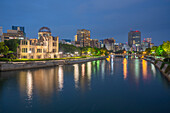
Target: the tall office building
pixel 83 36
pixel 134 38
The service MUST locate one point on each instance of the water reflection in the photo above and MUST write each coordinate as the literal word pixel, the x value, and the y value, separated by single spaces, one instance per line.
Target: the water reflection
pixel 83 70
pixel 137 69
pixel 153 70
pixel 89 70
pixel 76 75
pixel 60 78
pixel 144 67
pixel 29 85
pixel 68 86
pixel 103 69
pixel 125 68
pixel 112 66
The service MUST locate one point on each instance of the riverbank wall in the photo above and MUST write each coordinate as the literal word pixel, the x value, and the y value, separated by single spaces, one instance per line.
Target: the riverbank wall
pixel 163 67
pixel 9 66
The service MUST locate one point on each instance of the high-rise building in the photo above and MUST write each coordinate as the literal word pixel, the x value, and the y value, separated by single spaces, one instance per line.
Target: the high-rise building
pixel 134 38
pixel 83 36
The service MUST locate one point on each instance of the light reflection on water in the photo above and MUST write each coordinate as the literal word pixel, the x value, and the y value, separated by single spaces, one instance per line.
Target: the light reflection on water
pixel 87 82
pixel 144 67
pixel 125 68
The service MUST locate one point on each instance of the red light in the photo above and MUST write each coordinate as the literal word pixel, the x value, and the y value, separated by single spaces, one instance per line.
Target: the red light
pixel 137 31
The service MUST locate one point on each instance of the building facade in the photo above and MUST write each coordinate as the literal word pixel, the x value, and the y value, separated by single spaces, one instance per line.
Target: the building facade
pixel 83 36
pixel 109 43
pixel 46 46
pixel 19 28
pixel 134 38
pixel 13 34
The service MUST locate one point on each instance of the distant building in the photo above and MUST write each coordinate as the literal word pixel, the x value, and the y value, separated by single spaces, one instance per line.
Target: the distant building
pixel 149 40
pixel 13 34
pixel 134 37
pixel 146 44
pixel 19 28
pixel 65 41
pixel 83 36
pixel 1 32
pixel 134 40
pixel 109 43
pixel 95 43
pixel 46 46
pixel 101 43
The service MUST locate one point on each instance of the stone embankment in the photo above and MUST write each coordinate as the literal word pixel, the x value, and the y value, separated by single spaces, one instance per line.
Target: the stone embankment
pixel 8 66
pixel 163 67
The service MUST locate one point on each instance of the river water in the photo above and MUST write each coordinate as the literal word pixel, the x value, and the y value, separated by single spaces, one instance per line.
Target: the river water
pixel 116 85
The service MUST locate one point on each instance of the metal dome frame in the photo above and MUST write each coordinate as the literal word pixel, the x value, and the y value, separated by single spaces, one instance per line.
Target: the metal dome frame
pixel 42 28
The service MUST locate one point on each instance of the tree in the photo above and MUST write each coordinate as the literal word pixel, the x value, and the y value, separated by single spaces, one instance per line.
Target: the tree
pixel 166 47
pixel 160 51
pixel 3 48
pixel 148 50
pixel 153 50
pixel 12 44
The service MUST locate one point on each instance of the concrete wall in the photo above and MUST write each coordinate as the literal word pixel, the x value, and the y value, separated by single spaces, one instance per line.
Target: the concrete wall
pixel 38 64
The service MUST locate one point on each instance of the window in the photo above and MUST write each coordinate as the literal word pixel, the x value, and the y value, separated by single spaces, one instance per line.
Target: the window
pixel 44 50
pixel 54 50
pixel 38 56
pixel 24 42
pixel 39 50
pixel 24 56
pixel 24 50
pixel 54 44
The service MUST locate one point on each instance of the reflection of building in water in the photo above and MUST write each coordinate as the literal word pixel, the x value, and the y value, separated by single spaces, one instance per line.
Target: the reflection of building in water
pixel 153 70
pixel 84 77
pixel 112 66
pixel 29 85
pixel 60 78
pixel 94 67
pixel 125 68
pixel 76 75
pixel 98 66
pixel 144 67
pixel 22 82
pixel 44 81
pixel 89 70
pixel 103 68
pixel 137 69
pixel 83 70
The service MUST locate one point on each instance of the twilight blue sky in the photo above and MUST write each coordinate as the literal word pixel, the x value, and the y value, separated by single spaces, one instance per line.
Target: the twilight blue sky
pixel 104 18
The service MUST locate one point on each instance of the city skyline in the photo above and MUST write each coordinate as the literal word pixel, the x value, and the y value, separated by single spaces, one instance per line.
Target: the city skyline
pixel 103 19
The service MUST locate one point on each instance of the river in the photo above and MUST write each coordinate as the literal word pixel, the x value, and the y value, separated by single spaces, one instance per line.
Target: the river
pixel 119 85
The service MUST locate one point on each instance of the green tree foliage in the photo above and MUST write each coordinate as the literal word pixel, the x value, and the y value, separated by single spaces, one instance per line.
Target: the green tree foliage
pixel 3 48
pixel 160 51
pixel 153 50
pixel 12 44
pixel 65 48
pixel 148 50
pixel 166 47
